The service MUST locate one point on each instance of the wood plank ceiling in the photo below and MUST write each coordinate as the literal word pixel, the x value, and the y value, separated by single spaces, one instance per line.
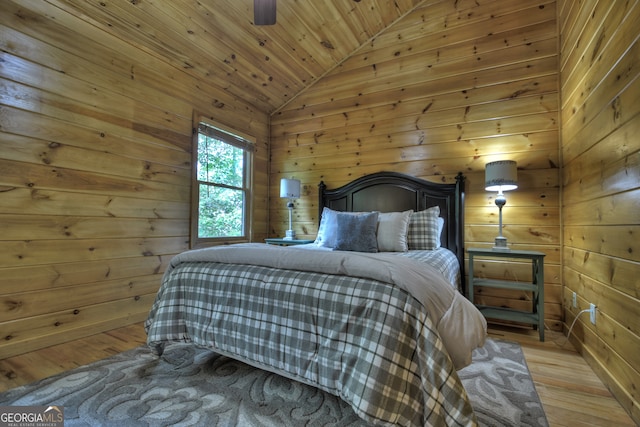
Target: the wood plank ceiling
pixel 216 39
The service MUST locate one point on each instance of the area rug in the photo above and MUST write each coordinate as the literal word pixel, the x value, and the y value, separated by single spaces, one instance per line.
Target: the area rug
pixel 500 387
pixel 190 386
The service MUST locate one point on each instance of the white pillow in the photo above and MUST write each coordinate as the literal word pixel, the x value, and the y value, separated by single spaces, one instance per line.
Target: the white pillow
pixel 440 227
pixel 327 230
pixel 392 231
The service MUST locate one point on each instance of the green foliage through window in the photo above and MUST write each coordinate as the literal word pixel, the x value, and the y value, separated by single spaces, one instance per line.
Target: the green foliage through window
pixel 221 177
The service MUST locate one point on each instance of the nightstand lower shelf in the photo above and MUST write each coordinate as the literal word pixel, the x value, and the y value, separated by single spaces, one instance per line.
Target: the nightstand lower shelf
pixel 502 313
pixel 505 284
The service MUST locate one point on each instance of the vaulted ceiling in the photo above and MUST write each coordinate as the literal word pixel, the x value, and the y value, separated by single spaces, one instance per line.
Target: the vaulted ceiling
pixel 216 39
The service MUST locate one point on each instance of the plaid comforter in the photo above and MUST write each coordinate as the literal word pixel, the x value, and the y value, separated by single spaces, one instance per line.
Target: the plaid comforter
pixel 368 341
pixel 442 259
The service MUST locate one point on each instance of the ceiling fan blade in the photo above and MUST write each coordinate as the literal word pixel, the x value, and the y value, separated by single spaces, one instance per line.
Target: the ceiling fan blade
pixel 264 12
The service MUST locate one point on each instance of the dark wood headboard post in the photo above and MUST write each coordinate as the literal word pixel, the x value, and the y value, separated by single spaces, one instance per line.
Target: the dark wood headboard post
pixel 322 188
pixel 393 192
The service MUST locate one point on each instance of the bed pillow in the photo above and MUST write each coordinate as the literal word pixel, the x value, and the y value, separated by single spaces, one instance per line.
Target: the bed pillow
pixel 327 230
pixel 423 230
pixel 392 231
pixel 357 232
pixel 440 227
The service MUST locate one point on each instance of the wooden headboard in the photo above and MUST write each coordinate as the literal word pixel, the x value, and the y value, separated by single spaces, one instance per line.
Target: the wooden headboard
pixel 396 192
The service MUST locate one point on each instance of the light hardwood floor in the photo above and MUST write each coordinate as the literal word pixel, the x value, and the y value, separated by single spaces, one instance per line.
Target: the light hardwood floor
pixel 572 395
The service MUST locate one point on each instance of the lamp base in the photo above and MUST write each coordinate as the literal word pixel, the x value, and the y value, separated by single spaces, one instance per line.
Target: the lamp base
pixel 501 244
pixel 290 235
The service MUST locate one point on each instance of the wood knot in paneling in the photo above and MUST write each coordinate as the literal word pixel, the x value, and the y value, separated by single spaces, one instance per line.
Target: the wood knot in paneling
pixel 13 305
pixel 327 44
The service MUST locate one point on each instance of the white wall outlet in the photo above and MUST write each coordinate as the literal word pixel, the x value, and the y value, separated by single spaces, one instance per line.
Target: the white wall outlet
pixel 592 313
pixel 574 300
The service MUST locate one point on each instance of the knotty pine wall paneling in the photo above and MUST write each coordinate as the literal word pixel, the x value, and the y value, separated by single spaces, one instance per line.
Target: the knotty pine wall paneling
pixel 448 88
pixel 600 88
pixel 95 143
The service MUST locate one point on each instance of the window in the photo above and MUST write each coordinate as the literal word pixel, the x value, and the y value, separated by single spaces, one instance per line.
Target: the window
pixel 220 208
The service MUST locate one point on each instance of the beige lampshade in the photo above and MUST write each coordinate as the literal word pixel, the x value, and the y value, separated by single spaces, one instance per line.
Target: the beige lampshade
pixel 501 176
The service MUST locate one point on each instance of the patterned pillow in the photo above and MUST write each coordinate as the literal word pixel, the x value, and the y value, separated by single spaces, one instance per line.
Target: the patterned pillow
pixel 423 230
pixel 392 231
pixel 357 232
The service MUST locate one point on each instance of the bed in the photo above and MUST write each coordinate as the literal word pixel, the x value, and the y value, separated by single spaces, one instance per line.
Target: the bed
pixel 358 315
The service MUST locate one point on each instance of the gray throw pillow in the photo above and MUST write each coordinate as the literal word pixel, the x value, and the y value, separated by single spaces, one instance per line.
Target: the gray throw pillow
pixel 357 232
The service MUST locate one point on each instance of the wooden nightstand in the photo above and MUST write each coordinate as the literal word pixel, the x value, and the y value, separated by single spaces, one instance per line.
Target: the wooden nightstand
pixel 285 242
pixel 535 286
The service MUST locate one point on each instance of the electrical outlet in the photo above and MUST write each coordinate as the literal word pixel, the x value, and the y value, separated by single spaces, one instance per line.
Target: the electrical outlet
pixel 574 300
pixel 592 313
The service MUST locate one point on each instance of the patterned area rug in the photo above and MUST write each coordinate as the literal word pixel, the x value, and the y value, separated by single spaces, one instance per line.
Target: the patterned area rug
pixel 500 387
pixel 189 386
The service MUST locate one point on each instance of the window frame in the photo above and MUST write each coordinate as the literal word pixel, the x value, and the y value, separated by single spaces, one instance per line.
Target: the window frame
pixel 236 139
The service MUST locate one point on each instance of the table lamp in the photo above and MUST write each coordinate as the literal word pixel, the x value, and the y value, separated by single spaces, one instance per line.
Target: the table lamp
pixel 290 189
pixel 501 176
